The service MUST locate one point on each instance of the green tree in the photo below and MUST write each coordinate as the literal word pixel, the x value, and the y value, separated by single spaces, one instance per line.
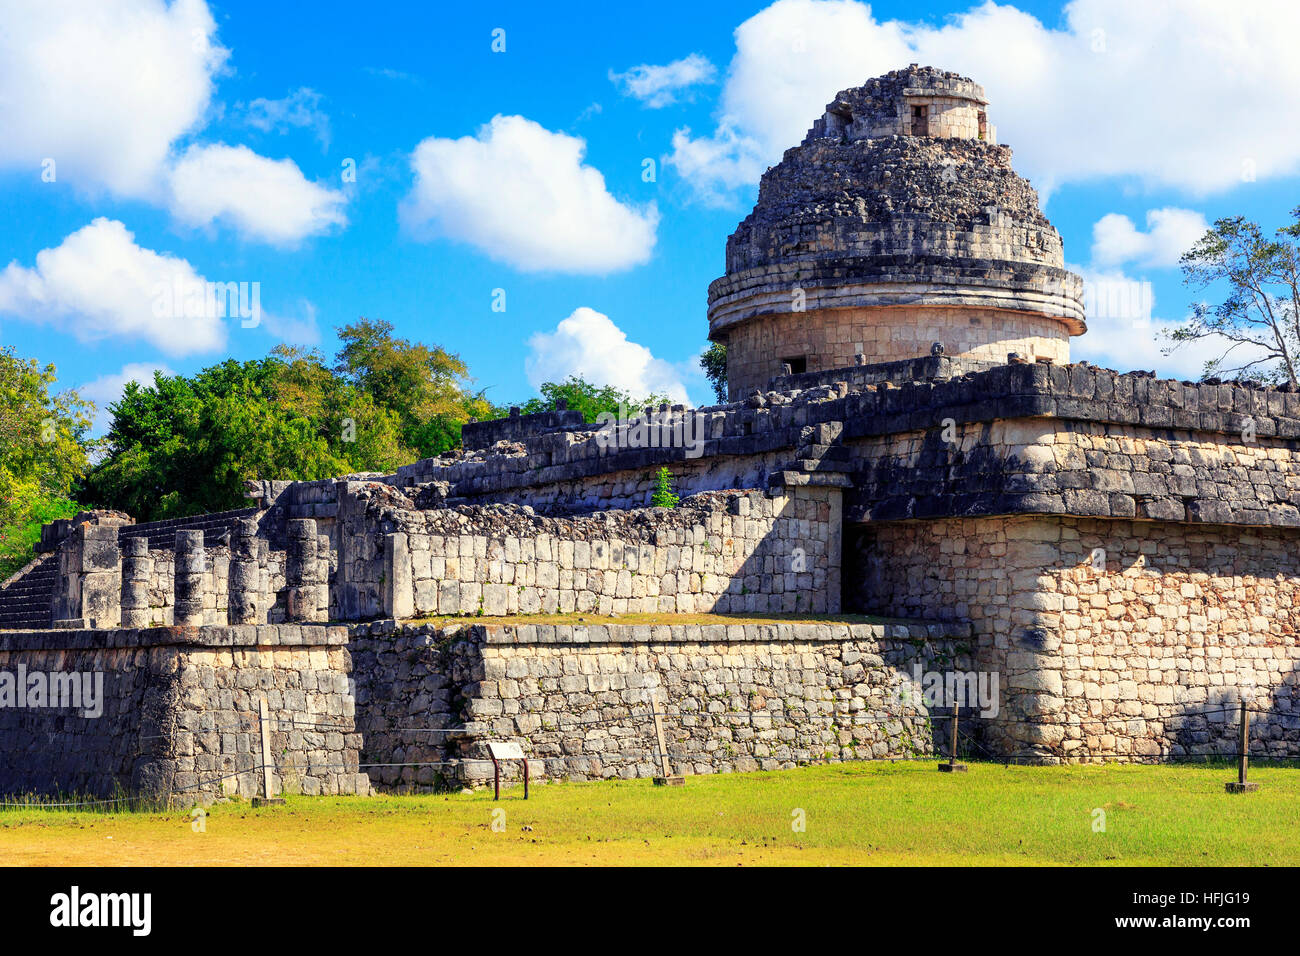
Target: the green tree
pixel 1260 311
pixel 186 445
pixel 426 387
pixel 43 452
pixel 582 396
pixel 714 362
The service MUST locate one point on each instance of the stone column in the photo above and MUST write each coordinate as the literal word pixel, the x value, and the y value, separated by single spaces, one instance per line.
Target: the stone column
pixel 191 565
pixel 101 579
pixel 399 588
pixel 245 572
pixel 302 571
pixel 137 573
pixel 323 555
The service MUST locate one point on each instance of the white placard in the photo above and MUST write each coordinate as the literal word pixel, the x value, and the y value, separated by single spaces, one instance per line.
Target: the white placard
pixel 505 751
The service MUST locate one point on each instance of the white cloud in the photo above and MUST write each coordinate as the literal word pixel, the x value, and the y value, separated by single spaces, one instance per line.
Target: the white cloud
pixel 99 284
pixel 588 344
pixel 103 88
pixel 264 199
pixel 1124 331
pixel 521 193
pixel 301 109
pixel 659 86
pixel 1170 233
pixel 107 389
pixel 717 165
pixel 107 90
pixel 1122 89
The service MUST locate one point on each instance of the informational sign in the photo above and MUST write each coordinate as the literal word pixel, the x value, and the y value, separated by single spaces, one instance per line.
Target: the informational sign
pixel 504 751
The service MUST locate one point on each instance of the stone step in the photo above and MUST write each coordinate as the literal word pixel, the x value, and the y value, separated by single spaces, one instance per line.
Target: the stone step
pixel 26 603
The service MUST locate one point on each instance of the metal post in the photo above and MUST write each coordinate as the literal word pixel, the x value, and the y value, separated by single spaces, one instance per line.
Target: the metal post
pixel 496 778
pixel 525 778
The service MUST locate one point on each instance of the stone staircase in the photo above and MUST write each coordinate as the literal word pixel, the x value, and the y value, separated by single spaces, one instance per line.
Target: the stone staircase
pixel 26 598
pixel 162 534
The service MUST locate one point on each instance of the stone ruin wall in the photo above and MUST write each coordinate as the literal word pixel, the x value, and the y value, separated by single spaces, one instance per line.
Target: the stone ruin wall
pixel 1080 681
pixel 1144 660
pixel 882 106
pixel 180 714
pixel 580 699
pixel 720 552
pixel 111 576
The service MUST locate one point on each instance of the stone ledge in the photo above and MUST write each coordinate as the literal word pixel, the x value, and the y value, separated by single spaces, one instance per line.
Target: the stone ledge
pixel 773 633
pixel 1076 392
pixel 779 632
pixel 244 635
pixel 749 631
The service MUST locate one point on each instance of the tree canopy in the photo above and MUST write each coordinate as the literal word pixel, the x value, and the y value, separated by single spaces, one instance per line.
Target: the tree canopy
pixel 425 386
pixel 582 396
pixel 714 362
pixel 43 451
pixel 1258 320
pixel 186 444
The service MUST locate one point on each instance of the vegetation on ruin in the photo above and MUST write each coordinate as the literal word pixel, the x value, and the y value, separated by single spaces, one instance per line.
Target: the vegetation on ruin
pixel 664 495
pixel 880 813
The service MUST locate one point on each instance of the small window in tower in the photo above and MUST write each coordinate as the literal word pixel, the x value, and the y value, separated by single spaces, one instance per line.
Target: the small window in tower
pixel 798 364
pixel 837 123
pixel 984 125
pixel 920 121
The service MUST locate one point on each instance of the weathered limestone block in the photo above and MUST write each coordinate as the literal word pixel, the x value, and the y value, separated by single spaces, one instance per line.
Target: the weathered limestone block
pixel 399 587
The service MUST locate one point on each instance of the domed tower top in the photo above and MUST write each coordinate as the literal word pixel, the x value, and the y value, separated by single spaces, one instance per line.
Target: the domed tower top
pixel 897 223
pixel 918 101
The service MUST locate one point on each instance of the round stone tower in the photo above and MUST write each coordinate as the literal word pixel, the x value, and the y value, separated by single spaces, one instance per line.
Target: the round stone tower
pixel 897 223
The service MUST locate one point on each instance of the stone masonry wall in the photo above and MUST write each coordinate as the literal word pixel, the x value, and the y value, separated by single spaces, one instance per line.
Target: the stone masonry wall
pixel 1083 468
pixel 1143 660
pixel 580 699
pixel 831 338
pixel 718 552
pixel 179 717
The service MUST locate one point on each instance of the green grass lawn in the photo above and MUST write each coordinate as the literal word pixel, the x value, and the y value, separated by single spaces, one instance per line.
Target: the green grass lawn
pixel 866 813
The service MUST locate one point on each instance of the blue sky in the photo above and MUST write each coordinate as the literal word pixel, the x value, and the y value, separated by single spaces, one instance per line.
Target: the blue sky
pixel 211 139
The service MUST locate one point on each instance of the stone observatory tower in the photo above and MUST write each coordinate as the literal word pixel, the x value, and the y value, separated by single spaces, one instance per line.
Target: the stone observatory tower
pixel 897 223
